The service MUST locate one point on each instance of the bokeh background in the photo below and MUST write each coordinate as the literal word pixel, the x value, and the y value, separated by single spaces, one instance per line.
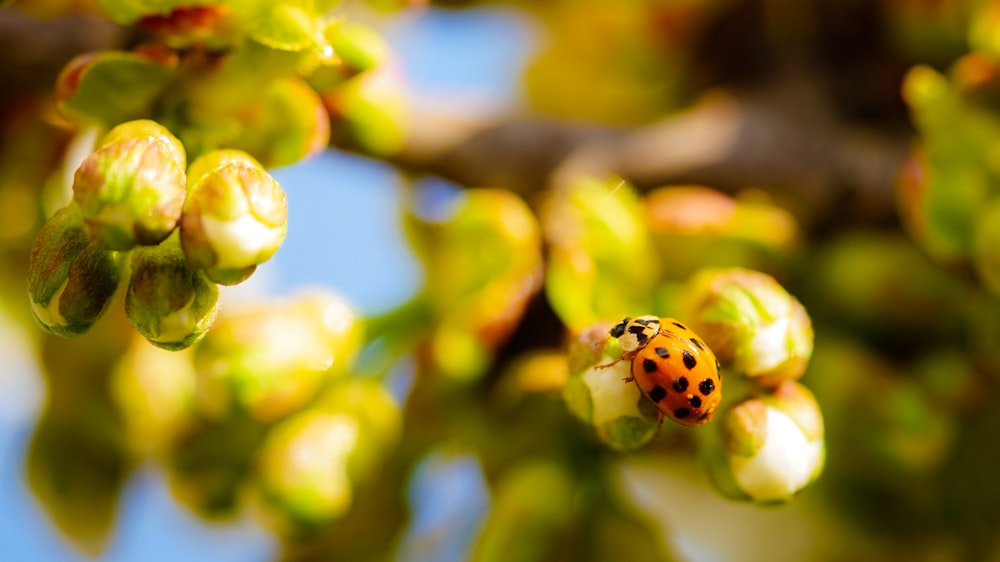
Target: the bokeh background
pixel 847 148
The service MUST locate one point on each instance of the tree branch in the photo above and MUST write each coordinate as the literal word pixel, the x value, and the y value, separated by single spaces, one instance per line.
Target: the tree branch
pixel 784 139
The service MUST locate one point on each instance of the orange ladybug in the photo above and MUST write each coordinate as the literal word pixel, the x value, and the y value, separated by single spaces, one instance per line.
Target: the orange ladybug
pixel 672 366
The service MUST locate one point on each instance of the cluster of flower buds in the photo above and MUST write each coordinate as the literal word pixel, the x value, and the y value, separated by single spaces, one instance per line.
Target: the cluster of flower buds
pixel 766 442
pixel 269 360
pixel 772 443
pixel 946 196
pixel 185 229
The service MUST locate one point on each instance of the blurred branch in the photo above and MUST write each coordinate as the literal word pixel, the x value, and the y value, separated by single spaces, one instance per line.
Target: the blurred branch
pixel 35 50
pixel 785 139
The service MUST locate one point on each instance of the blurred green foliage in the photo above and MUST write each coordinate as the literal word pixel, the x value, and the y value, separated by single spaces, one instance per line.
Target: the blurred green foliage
pixel 282 408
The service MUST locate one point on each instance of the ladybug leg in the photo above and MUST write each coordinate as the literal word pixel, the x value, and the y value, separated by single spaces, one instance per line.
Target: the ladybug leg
pixel 611 364
pixel 659 418
pixel 628 355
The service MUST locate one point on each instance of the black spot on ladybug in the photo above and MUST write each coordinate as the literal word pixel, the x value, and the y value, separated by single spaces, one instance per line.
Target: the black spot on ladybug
pixel 695 402
pixel 679 325
pixel 681 384
pixel 658 393
pixel 641 338
pixel 619 329
pixel 636 329
pixel 649 365
pixel 681 413
pixel 706 387
pixel 689 360
pixel 698 344
pixel 644 321
pixel 662 352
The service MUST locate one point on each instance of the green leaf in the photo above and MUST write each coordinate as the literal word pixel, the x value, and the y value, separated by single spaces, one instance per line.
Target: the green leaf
pixel 111 87
pixel 284 125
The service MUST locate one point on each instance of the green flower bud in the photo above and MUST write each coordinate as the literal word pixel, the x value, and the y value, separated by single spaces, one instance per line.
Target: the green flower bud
pixel 751 322
pixel 131 189
pixel 235 218
pixel 483 264
pixel 771 447
pixel 271 359
pixel 598 395
pixel 598 243
pixel 154 391
pixel 311 462
pixel 70 281
pixel 372 109
pixel 358 46
pixel 217 159
pixel 170 304
pixel 950 176
pixel 694 227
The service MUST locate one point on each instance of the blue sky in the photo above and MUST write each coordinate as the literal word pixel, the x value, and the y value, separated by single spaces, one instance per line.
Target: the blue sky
pixel 343 234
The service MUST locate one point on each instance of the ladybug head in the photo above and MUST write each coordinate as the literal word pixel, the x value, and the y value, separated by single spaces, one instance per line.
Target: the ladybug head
pixel 619 328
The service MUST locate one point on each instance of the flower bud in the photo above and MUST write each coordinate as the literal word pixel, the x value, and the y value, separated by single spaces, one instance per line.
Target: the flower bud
pixel 170 304
pixel 359 47
pixel 131 190
pixel 70 281
pixel 271 359
pixel 598 395
pixel 371 109
pixel 598 243
pixel 235 218
pixel 750 322
pixel 311 462
pixel 771 446
pixel 694 227
pixel 483 264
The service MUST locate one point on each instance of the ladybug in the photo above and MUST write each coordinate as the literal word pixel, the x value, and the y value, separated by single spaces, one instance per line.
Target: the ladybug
pixel 672 367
